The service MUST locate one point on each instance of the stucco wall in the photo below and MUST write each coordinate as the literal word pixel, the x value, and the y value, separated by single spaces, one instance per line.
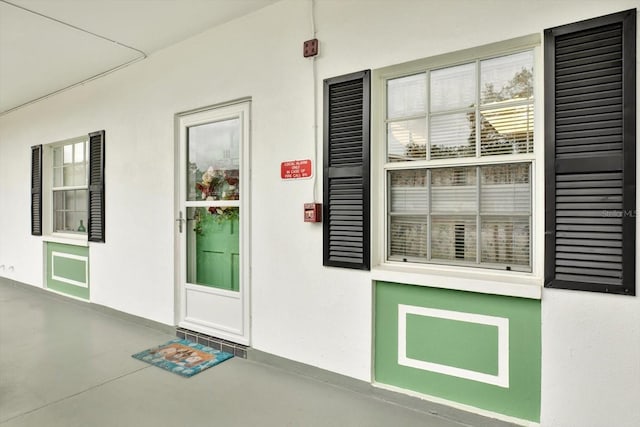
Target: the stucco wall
pixel 300 310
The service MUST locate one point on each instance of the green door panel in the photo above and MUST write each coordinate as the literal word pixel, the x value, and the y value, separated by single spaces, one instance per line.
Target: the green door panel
pixel 217 251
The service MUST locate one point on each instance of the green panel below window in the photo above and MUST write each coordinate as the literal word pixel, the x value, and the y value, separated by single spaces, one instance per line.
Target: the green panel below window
pixel 439 348
pixel 464 345
pixel 67 269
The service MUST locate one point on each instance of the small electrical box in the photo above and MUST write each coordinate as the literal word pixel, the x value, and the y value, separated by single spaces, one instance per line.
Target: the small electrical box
pixel 312 212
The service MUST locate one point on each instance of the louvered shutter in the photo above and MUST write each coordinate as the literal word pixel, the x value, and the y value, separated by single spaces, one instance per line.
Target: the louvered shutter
pixel 95 231
pixel 590 154
pixel 346 171
pixel 36 190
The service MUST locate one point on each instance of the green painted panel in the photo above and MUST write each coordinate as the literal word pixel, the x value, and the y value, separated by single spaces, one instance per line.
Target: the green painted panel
pixel 521 399
pixel 211 270
pixel 67 270
pixel 464 345
pixel 217 254
pixel 235 271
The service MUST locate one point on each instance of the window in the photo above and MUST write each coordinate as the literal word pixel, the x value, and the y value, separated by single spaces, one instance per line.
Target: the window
pixel 74 194
pixel 458 165
pixel 69 187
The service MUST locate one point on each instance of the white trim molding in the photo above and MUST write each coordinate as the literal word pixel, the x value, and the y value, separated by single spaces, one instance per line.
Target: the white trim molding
pixel 458 405
pixel 67 280
pixel 502 323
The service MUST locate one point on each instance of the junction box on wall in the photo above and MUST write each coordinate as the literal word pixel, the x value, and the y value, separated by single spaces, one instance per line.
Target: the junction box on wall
pixel 310 48
pixel 312 212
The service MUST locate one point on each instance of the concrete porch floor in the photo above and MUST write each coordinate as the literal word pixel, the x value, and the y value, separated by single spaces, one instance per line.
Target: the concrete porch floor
pixel 66 363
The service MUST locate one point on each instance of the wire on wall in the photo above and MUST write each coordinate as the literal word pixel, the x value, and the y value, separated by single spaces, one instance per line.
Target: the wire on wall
pixel 314 67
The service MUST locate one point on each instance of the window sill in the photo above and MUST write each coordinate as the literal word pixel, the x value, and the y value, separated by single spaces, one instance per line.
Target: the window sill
pixel 67 239
pixel 521 285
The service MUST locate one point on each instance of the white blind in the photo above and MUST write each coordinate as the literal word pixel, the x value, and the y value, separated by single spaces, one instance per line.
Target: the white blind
pixel 408 238
pixel 507 129
pixel 452 135
pixel 454 190
pixel 505 189
pixel 505 240
pixel 472 214
pixel 409 191
pixel 435 215
pixel 502 97
pixel 406 96
pixel 406 140
pixel 453 238
pixel 453 87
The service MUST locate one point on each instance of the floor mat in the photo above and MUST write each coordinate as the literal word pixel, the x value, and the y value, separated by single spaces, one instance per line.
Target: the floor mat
pixel 183 357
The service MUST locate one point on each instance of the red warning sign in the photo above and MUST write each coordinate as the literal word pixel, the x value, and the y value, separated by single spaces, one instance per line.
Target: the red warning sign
pixel 295 169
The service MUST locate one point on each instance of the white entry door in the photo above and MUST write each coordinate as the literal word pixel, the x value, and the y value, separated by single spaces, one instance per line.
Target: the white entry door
pixel 213 218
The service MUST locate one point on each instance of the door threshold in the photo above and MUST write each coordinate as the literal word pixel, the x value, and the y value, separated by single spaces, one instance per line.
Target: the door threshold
pixel 236 349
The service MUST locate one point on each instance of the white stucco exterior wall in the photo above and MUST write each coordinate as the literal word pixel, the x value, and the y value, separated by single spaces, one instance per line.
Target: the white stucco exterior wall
pixel 590 365
pixel 300 310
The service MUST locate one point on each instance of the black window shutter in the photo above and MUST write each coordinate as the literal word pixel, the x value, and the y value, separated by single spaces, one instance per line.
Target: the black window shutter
pixel 36 190
pixel 590 137
pixel 95 230
pixel 346 171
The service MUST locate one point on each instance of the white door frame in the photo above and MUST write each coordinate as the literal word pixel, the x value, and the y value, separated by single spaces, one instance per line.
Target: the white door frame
pixel 240 332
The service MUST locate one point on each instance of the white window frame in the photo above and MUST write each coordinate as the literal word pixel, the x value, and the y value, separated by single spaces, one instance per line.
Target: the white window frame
pixel 48 189
pixel 468 277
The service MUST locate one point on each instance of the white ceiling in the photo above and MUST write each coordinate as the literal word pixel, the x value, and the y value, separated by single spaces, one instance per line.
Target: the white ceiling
pixel 49 45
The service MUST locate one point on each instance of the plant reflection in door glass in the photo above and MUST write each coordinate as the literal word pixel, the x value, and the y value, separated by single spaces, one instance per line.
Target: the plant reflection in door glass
pixel 213 163
pixel 219 214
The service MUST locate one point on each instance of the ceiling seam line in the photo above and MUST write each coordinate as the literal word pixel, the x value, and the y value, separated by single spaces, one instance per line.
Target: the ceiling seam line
pixel 80 83
pixel 76 28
